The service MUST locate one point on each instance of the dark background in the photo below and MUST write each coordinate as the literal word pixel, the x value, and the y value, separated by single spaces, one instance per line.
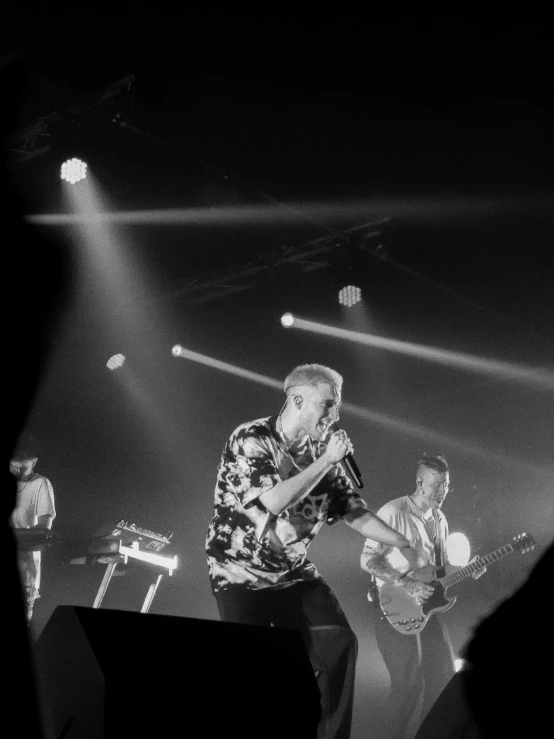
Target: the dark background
pixel 449 152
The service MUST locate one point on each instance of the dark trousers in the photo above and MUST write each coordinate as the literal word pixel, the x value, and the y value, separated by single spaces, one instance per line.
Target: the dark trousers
pixel 332 647
pixel 419 666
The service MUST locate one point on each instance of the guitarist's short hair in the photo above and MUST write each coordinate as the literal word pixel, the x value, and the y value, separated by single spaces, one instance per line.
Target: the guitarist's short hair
pixel 437 462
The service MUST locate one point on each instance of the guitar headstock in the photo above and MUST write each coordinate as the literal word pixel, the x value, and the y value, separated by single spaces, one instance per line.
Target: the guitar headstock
pixel 523 543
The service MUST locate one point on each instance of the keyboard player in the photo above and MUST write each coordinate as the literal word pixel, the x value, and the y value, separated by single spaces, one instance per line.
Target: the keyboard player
pixel 34 509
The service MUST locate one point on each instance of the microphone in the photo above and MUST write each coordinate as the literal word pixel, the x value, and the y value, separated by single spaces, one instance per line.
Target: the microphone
pixel 353 469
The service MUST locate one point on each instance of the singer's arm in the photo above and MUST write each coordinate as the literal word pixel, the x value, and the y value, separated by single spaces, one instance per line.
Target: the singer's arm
pixel 369 525
pixel 290 492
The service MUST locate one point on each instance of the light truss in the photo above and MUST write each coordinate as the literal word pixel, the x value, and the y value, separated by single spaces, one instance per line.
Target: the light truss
pixel 310 256
pixel 114 103
pixel 33 140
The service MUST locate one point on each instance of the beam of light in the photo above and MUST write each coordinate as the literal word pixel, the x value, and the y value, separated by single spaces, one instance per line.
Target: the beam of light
pixel 465 447
pixel 115 285
pixel 115 362
pixel 458 549
pixel 121 287
pixel 416 209
pixel 100 245
pixel 180 351
pixel 73 170
pixel 540 377
pixel 394 425
pixel 155 419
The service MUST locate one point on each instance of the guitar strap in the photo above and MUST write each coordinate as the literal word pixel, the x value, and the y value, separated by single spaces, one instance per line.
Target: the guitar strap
pixel 438 544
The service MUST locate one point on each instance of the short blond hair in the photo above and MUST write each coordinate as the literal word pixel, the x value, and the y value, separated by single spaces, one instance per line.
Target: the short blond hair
pixel 312 375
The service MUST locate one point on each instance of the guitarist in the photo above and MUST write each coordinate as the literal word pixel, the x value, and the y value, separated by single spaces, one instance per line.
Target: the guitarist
pixel 419 665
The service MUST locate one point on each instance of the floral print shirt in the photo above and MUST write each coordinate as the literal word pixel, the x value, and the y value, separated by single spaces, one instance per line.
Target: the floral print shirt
pixel 250 547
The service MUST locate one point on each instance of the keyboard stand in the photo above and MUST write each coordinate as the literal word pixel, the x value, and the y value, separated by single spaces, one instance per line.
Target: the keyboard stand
pixel 150 595
pixel 133 552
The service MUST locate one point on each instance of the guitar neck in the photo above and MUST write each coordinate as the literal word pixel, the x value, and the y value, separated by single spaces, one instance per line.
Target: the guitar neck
pixel 479 563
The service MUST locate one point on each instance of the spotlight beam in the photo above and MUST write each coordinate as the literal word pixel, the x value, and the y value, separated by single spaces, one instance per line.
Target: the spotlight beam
pixel 394 425
pixel 181 352
pixel 418 209
pixel 462 446
pixel 262 215
pixel 499 370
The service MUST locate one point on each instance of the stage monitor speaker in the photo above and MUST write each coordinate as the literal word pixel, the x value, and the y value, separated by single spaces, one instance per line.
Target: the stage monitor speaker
pixel 106 673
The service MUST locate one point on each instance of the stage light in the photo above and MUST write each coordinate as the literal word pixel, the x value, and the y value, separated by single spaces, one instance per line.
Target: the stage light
pixel 287 320
pixel 177 350
pixel 459 664
pixel 73 170
pixel 457 549
pixel 115 362
pixel 350 295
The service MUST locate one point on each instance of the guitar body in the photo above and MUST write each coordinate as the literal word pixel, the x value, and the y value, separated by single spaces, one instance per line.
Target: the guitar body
pixel 408 616
pixel 403 611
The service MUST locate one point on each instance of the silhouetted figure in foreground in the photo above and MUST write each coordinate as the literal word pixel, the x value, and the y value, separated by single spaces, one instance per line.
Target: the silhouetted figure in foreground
pixel 36 278
pixel 505 690
pixel 510 659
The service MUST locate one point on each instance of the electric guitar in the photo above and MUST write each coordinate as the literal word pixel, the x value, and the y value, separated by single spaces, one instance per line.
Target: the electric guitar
pixel 409 616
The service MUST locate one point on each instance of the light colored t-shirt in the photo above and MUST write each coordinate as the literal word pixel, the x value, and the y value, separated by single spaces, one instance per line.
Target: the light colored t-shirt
pixel 35 498
pixel 405 517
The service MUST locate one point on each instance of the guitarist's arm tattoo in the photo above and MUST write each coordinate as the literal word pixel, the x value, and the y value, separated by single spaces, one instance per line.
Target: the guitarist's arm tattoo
pixel 376 564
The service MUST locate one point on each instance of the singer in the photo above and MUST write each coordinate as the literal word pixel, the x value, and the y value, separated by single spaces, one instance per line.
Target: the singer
pixel 280 478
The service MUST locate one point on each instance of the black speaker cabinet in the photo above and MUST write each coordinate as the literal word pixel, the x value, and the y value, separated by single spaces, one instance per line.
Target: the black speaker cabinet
pixel 105 673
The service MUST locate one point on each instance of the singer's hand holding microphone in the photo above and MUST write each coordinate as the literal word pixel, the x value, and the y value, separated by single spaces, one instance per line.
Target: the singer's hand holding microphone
pixel 338 446
pixel 340 449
